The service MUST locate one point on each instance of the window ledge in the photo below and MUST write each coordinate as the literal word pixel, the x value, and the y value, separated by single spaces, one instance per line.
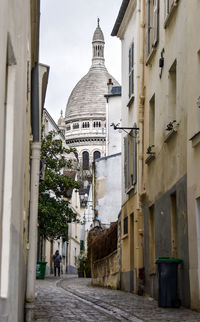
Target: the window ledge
pixel 131 100
pixel 130 189
pixel 169 135
pixel 195 139
pixel 149 58
pixel 125 236
pixel 171 13
pixel 150 158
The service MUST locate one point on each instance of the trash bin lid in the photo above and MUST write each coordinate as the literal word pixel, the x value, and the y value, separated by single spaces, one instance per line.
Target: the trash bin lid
pixel 175 260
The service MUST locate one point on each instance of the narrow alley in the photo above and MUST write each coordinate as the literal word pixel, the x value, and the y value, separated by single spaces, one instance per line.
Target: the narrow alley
pixel 74 299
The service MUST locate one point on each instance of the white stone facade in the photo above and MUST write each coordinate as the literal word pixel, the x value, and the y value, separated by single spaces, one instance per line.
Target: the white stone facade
pixel 85 116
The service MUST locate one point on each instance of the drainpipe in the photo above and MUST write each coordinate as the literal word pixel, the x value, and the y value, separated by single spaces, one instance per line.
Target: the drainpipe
pixel 34 187
pixel 140 120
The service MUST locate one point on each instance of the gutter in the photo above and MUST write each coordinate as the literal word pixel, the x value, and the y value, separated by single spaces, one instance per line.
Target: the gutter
pixel 34 189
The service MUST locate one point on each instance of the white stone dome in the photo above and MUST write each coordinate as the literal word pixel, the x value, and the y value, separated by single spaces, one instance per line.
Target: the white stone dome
pixel 87 98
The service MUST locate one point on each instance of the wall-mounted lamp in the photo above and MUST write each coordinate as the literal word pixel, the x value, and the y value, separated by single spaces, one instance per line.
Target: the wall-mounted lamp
pixel 161 62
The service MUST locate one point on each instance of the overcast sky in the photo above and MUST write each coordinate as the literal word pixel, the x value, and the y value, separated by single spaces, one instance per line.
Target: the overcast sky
pixel 66 30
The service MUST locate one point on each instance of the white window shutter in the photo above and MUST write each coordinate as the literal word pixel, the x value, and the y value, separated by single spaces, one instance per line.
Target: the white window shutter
pixel 155 22
pixel 129 71
pixel 147 27
pixel 132 70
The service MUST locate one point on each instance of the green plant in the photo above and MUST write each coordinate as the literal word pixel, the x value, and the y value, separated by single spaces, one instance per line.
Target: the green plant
pixel 54 212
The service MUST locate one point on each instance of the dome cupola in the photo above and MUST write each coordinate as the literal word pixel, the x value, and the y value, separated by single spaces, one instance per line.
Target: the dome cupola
pixel 98 46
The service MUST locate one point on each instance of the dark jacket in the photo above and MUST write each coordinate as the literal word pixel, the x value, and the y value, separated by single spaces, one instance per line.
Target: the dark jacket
pixel 57 259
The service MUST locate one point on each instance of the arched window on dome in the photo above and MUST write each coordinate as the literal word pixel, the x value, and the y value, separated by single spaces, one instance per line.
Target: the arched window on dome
pixel 85 125
pixel 85 157
pixel 97 124
pixel 76 155
pixel 96 155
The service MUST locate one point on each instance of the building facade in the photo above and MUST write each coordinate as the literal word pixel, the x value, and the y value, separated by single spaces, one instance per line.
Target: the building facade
pixel 20 121
pixel 129 28
pixel 166 101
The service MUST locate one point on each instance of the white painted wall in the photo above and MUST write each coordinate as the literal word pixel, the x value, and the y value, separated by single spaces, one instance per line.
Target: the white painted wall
pixel 108 188
pixel 113 137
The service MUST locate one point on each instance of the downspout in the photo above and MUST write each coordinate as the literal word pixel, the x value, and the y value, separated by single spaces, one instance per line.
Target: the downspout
pixel 140 120
pixel 34 189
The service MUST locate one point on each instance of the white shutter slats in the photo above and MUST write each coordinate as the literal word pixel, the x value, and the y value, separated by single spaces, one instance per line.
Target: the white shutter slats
pixel 155 22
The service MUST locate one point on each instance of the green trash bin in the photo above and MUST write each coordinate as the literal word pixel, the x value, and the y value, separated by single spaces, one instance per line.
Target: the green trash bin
pixel 40 270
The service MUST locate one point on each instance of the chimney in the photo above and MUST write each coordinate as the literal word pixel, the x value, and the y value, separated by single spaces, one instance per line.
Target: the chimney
pixel 110 85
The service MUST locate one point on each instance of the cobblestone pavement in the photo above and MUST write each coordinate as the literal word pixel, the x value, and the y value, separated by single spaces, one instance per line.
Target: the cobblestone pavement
pixel 74 299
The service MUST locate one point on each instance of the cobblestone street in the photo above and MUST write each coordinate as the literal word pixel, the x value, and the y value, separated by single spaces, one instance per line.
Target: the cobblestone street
pixel 74 299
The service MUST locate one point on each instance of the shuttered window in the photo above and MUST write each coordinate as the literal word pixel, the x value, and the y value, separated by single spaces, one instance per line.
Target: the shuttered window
pixel 130 159
pixel 134 178
pixel 131 70
pixel 126 162
pixel 168 6
pixel 152 25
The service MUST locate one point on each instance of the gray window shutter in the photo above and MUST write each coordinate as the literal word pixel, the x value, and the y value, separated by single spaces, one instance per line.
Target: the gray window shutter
pixel 134 155
pixel 155 22
pixel 131 69
pixel 132 66
pixel 129 72
pixel 126 161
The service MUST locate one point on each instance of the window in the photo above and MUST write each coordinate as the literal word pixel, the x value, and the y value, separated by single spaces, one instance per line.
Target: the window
pixel 85 125
pixel 152 25
pixel 85 160
pixel 130 159
pixel 76 126
pixel 131 70
pixel 97 124
pixel 96 155
pixel 126 225
pixel 151 238
pixel 82 246
pixel 152 121
pixel 172 93
pixel 68 128
pixel 169 5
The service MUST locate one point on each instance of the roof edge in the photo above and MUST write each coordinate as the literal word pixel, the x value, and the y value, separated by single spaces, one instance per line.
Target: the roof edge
pixel 120 17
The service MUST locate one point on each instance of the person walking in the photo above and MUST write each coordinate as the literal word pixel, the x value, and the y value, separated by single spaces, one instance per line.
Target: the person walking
pixel 57 260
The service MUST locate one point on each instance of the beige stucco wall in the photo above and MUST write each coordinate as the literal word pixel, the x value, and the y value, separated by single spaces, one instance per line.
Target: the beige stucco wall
pixel 193 155
pixel 170 162
pixel 106 271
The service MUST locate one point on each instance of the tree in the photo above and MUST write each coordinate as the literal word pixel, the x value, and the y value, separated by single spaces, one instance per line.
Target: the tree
pixel 54 212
